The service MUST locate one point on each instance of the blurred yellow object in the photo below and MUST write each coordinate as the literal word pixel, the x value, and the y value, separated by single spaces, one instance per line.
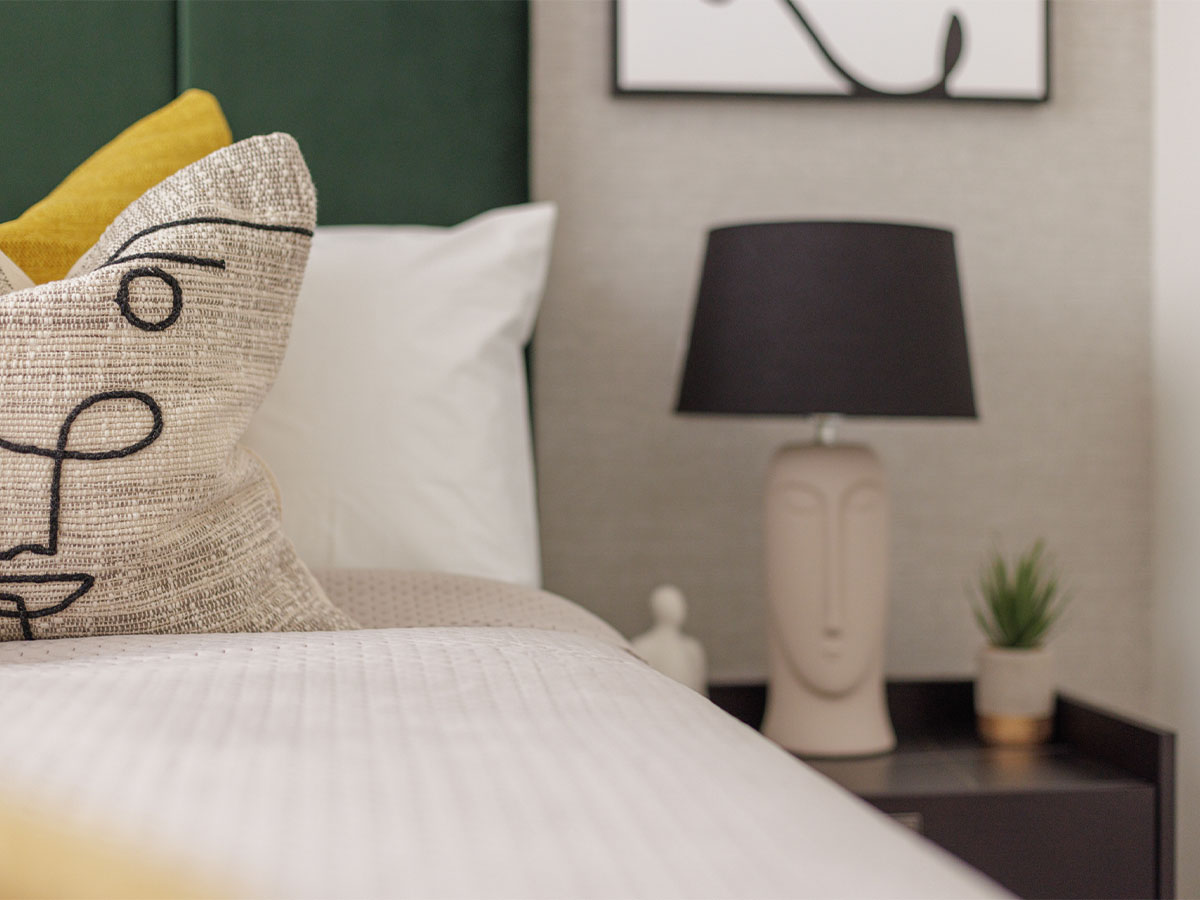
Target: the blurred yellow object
pixel 48 237
pixel 45 859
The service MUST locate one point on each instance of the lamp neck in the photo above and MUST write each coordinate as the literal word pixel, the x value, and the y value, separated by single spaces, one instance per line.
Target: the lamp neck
pixel 826 429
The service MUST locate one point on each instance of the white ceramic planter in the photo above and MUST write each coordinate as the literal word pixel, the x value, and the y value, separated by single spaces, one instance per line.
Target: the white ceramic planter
pixel 1014 695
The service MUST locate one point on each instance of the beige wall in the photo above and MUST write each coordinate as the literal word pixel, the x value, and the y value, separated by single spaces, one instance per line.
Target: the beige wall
pixel 1175 331
pixel 1051 205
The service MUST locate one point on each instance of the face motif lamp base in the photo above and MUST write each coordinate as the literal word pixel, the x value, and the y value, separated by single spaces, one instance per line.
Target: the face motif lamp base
pixel 826 536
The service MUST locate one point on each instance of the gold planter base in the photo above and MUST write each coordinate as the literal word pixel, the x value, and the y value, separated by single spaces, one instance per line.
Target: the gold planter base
pixel 1014 731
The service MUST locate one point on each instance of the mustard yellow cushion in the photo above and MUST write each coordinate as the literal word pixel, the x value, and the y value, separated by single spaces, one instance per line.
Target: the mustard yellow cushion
pixel 48 237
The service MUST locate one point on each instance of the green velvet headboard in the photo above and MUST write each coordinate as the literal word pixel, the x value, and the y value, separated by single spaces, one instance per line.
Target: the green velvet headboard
pixel 408 111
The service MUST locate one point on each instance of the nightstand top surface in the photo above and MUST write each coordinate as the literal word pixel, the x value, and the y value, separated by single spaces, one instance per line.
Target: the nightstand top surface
pixel 965 766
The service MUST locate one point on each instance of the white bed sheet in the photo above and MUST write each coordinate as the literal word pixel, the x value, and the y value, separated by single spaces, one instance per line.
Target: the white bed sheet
pixel 436 762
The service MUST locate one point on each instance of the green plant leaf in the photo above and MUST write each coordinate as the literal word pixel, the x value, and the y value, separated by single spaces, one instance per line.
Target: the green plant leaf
pixel 1021 601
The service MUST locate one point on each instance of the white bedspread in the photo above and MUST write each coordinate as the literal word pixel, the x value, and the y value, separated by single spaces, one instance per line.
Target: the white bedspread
pixel 436 762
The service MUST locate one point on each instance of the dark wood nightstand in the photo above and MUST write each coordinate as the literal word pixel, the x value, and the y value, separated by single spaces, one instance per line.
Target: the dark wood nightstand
pixel 1091 814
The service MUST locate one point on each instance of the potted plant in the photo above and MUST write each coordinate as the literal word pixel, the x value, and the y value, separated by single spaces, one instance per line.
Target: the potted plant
pixel 1014 693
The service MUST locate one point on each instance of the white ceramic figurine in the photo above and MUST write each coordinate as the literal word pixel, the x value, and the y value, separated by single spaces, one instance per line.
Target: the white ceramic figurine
pixel 666 647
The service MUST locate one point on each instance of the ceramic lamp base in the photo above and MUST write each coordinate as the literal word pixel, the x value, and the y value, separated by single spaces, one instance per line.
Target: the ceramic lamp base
pixel 811 725
pixel 826 537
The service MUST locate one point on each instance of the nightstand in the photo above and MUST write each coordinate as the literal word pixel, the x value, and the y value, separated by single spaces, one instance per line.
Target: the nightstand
pixel 1091 814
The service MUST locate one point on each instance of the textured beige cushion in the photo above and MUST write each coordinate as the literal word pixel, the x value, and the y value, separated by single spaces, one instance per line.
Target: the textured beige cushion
pixel 125 504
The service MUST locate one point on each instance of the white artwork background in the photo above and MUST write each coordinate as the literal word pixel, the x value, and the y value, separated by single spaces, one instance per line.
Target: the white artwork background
pixel 759 46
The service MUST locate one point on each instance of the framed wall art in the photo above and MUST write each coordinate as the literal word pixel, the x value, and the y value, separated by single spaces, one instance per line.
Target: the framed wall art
pixel 851 49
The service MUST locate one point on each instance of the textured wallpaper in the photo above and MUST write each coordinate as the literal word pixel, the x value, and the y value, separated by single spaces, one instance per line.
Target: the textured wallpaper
pixel 1051 207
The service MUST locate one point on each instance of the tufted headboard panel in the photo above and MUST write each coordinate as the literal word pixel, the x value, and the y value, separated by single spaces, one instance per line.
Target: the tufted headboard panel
pixel 413 112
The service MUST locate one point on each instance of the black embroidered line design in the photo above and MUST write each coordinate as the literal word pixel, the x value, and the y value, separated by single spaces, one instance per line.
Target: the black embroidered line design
pixel 60 454
pixel 21 609
pixel 951 54
pixel 203 220
pixel 122 298
pixel 170 257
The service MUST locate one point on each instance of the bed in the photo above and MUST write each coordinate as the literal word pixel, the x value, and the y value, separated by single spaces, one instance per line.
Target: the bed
pixel 471 736
pixel 538 759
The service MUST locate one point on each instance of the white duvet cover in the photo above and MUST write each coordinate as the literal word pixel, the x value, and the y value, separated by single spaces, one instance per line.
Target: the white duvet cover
pixel 436 762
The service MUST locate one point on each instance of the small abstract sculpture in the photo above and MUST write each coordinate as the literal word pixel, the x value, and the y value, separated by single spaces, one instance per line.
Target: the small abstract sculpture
pixel 666 648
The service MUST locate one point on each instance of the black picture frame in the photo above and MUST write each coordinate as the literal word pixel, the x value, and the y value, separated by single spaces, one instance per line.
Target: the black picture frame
pixel 618 88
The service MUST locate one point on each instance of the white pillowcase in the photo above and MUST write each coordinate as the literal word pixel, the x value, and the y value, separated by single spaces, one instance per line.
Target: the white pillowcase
pixel 398 428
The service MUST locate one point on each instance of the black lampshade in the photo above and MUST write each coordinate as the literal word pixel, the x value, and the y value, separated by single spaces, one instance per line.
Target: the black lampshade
pixel 858 318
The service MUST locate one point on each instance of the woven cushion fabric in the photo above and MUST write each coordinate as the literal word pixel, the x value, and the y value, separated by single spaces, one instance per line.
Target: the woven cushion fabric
pixel 52 234
pixel 125 504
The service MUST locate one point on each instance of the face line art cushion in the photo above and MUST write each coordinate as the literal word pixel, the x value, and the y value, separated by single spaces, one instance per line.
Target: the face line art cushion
pixel 125 504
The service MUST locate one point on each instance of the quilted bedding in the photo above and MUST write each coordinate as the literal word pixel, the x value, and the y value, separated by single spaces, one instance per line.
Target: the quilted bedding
pixel 436 762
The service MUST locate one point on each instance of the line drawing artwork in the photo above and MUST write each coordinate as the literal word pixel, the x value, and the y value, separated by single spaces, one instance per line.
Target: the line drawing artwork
pixel 14 600
pixel 951 54
pixel 894 50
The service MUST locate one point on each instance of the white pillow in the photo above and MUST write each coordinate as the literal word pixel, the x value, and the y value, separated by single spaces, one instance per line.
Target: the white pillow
pixel 398 428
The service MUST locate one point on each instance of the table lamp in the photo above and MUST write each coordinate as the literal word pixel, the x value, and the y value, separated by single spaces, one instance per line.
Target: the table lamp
pixel 828 319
